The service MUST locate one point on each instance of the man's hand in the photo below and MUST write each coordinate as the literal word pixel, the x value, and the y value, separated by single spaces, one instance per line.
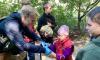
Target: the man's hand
pixel 47 50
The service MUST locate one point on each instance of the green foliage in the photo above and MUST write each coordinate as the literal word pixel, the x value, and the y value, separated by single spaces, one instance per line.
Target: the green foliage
pixel 65 11
pixel 34 2
pixel 63 17
pixel 8 7
pixel 3 9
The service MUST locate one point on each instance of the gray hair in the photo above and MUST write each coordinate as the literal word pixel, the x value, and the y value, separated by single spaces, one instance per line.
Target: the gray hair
pixel 28 10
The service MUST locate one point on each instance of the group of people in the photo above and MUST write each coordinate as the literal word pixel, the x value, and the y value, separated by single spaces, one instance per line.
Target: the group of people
pixel 19 28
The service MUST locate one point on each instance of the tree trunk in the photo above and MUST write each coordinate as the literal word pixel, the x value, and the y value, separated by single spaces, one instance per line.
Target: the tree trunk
pixel 79 16
pixel 78 24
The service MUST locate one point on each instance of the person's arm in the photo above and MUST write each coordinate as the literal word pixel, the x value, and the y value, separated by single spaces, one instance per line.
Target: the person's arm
pixel 13 33
pixel 52 47
pixel 48 51
pixel 53 22
pixel 68 51
pixel 79 55
pixel 40 22
pixel 84 54
pixel 53 54
pixel 90 56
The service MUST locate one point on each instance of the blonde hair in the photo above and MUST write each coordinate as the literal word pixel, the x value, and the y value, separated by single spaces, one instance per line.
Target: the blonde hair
pixel 46 29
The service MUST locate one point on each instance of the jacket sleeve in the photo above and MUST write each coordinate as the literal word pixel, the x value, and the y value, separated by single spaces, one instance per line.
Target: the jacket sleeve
pixel 14 34
pixel 53 23
pixel 40 24
pixel 80 55
pixel 52 47
pixel 87 55
pixel 68 51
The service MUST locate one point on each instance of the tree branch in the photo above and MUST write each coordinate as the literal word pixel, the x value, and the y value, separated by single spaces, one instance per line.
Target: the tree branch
pixel 91 6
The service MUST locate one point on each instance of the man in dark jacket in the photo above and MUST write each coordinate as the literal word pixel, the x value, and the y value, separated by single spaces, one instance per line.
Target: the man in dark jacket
pixel 16 25
pixel 46 17
pixel 92 50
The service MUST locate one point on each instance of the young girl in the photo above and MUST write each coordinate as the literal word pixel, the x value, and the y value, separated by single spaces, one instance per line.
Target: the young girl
pixel 63 46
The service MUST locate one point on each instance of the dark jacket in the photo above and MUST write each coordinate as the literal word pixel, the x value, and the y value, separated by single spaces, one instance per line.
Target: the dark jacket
pixel 44 19
pixel 16 17
pixel 91 51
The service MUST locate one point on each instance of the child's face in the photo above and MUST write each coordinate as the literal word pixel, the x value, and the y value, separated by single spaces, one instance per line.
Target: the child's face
pixel 62 37
pixel 46 35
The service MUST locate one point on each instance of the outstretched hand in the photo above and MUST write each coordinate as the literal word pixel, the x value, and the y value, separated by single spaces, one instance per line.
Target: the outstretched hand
pixel 47 50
